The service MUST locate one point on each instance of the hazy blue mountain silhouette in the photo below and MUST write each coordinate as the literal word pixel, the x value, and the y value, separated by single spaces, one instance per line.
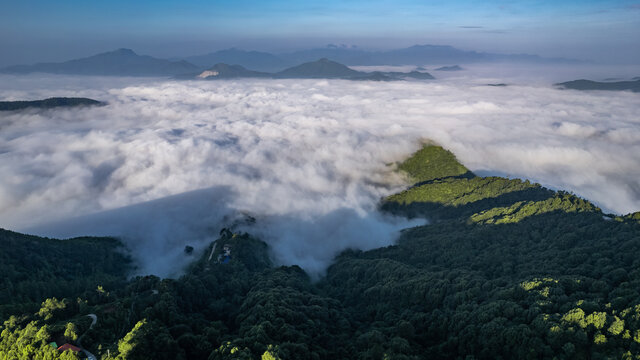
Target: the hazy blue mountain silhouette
pixel 449 68
pixel 123 62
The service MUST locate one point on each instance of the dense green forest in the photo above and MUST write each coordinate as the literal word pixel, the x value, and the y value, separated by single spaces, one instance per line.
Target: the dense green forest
pixel 506 269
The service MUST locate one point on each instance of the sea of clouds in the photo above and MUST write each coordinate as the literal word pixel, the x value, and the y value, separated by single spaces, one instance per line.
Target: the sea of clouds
pixel 168 163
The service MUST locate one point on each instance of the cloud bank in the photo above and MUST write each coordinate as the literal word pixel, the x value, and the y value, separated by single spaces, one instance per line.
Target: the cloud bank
pixel 310 159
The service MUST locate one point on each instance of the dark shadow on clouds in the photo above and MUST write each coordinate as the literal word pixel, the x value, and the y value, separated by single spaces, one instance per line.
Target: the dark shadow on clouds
pixel 156 231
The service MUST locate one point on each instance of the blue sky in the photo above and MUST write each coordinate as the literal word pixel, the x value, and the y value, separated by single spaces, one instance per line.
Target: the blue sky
pixel 43 30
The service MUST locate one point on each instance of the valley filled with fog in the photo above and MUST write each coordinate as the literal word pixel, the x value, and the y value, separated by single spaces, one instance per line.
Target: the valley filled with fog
pixel 168 163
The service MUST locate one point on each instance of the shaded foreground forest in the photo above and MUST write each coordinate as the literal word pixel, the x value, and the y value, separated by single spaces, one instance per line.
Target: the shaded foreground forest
pixel 506 269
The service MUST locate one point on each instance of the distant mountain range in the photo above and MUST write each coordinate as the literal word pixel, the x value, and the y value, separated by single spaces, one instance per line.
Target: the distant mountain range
pixel 121 62
pixel 633 85
pixel 414 55
pixel 48 103
pixel 125 62
pixel 320 69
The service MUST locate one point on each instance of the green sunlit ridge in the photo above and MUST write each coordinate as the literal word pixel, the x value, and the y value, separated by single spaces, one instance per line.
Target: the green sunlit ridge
pixel 432 162
pixel 446 189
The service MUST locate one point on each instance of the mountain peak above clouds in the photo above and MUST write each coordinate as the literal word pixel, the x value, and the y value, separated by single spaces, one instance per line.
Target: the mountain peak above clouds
pixel 119 62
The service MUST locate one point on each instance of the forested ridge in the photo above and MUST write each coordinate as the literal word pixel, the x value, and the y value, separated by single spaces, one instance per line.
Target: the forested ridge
pixel 505 269
pixel 48 103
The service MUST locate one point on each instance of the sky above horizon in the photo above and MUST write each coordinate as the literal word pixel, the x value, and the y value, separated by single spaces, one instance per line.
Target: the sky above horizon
pixel 42 30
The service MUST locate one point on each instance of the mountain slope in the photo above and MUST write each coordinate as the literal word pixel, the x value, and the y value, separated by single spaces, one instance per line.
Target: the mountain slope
pixel 595 85
pixel 417 75
pixel 260 61
pixel 506 269
pixel 121 62
pixel 449 68
pixel 48 103
pixel 323 68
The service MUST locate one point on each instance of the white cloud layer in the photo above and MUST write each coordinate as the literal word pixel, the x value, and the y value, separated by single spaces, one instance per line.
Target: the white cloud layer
pixel 309 158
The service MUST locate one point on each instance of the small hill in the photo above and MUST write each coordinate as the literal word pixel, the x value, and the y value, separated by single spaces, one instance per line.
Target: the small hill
pixel 418 75
pixel 500 257
pixel 445 189
pixel 450 68
pixel 432 162
pixel 48 103
pixel 321 69
pixel 243 251
pixel 595 85
pixel 344 55
pixel 375 76
pixel 121 62
pixel 260 61
pixel 224 71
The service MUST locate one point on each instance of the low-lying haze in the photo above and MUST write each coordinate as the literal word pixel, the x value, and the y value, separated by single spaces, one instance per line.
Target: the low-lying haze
pixel 310 159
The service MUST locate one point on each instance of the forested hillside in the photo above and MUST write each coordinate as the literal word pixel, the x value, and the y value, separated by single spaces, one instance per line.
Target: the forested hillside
pixel 48 103
pixel 47 286
pixel 35 268
pixel 505 269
